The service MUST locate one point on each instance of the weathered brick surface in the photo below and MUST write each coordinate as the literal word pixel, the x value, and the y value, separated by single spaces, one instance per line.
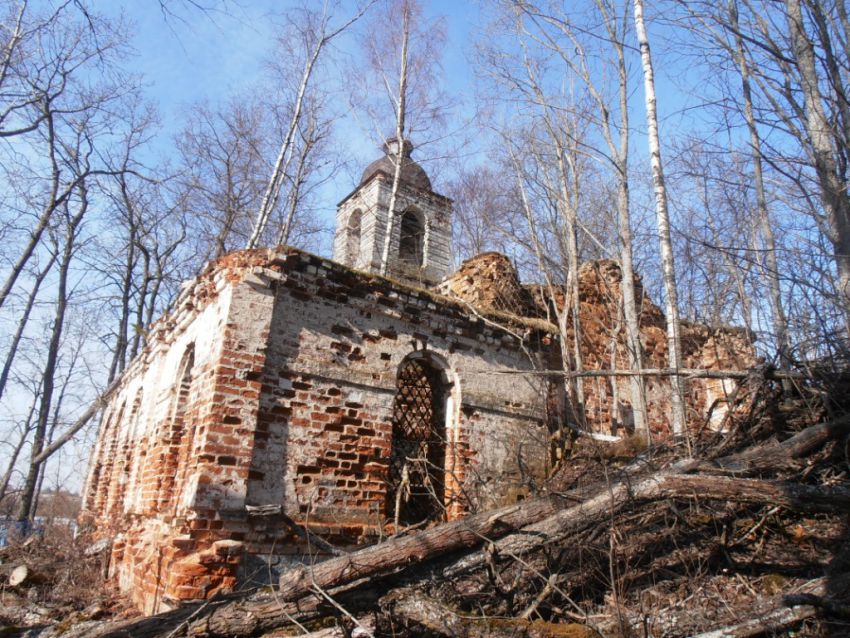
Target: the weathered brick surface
pixel 272 384
pixel 608 400
pixel 267 397
pixel 489 281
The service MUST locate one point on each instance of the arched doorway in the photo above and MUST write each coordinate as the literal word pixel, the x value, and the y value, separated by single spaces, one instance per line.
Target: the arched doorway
pixel 416 489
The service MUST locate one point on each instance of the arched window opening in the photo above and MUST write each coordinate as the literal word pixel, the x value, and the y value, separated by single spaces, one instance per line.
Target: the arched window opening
pixel 104 484
pixel 352 237
pixel 175 436
pixel 416 490
pixel 411 243
pixel 135 452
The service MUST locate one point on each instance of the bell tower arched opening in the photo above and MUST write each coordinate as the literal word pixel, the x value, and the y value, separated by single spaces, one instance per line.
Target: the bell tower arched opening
pixel 411 243
pixel 352 237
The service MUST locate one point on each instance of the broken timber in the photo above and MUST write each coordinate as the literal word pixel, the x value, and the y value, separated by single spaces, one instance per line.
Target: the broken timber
pixel 359 579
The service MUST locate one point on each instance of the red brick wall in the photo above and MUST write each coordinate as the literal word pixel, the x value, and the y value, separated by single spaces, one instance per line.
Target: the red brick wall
pixel 289 404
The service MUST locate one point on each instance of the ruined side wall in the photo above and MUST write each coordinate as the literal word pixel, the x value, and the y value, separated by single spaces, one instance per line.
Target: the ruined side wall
pixel 608 400
pixel 136 443
pixel 289 405
pixel 489 281
pixel 141 481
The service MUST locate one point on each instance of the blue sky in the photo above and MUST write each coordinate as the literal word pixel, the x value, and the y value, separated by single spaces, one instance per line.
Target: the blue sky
pixel 193 56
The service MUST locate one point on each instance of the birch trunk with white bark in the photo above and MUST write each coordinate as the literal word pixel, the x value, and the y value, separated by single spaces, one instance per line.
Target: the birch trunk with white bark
pixel 674 340
pixel 398 158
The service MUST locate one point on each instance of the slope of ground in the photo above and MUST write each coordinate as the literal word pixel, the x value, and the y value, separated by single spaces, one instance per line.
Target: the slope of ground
pixel 746 536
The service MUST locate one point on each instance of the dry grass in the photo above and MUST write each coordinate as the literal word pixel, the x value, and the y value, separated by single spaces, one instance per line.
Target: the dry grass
pixel 64 582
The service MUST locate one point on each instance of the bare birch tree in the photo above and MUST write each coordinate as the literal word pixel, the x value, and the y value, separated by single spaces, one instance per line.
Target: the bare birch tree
pixel 316 33
pixel 398 152
pixel 45 59
pixel 833 191
pixel 573 53
pixel 73 212
pixel 399 96
pixel 721 28
pixel 674 339
pixel 60 90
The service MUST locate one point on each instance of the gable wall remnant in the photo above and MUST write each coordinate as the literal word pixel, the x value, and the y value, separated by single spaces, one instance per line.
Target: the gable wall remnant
pixel 489 281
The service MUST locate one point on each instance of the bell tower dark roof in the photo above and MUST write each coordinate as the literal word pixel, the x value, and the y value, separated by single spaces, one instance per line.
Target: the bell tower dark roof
pixel 411 173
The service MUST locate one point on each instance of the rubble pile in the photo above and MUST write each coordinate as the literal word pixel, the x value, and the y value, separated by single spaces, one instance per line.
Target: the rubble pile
pixel 51 579
pixel 489 282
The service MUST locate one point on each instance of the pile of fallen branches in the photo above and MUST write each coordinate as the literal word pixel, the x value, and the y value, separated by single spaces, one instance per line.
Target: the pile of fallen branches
pixel 748 536
pixel 50 577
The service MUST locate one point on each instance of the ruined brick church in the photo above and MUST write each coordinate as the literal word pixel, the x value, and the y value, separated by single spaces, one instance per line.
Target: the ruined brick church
pixel 285 392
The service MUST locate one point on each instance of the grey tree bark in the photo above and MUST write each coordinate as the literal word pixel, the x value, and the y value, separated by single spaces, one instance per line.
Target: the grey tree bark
pixel 833 191
pixel 770 264
pixel 72 223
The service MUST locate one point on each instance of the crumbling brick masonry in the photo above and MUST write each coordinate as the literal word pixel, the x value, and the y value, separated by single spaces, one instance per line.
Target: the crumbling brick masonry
pixel 287 396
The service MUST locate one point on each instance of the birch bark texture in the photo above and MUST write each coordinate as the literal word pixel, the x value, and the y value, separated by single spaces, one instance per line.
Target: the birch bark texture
pixel 557 33
pixel 323 37
pixel 400 114
pixel 665 244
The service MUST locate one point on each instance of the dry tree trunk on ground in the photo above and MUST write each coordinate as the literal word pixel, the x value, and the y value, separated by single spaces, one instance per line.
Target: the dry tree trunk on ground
pixel 358 581
pixel 444 621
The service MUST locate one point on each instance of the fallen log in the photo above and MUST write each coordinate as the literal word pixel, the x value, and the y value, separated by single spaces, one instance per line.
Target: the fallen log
pixel 25 576
pixel 560 526
pixel 786 609
pixel 19 575
pixel 249 617
pixel 397 553
pixel 510 531
pixel 768 623
pixel 777 455
pixel 415 607
pixel 794 496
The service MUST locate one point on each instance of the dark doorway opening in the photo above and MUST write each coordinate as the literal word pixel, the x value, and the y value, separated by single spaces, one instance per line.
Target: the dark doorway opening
pixel 416 490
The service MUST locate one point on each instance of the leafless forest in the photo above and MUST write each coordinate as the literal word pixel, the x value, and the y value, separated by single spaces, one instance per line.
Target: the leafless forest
pixel 567 149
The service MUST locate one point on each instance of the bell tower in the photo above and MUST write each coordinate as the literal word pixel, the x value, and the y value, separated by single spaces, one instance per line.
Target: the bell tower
pixel 420 246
